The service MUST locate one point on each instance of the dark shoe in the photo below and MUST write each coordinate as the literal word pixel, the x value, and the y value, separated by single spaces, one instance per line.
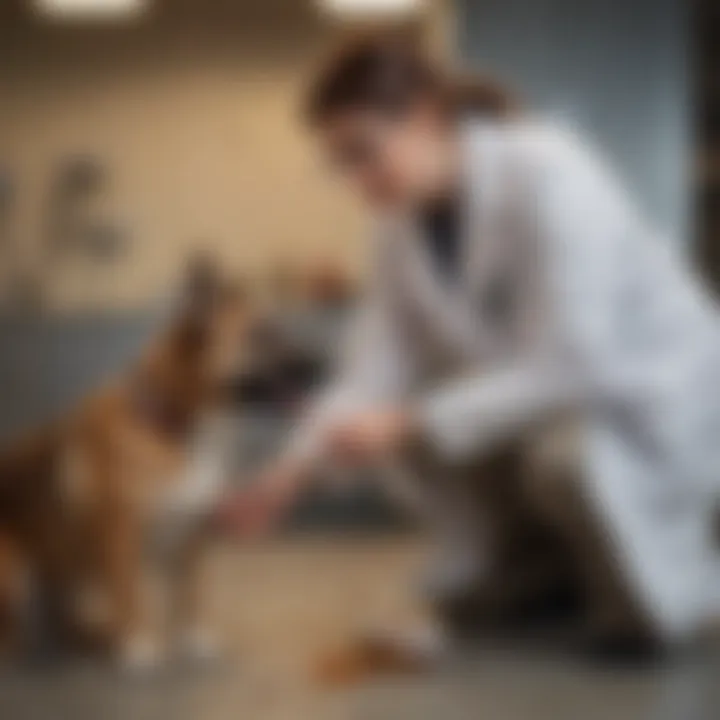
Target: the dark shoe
pixel 623 649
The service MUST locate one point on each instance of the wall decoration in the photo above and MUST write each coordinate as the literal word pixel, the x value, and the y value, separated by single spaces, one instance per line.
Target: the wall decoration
pixel 75 226
pixel 18 290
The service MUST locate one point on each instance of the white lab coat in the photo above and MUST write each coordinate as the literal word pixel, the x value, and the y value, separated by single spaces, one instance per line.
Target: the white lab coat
pixel 567 299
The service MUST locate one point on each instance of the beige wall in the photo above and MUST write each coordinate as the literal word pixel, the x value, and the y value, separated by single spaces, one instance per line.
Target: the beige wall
pixel 192 109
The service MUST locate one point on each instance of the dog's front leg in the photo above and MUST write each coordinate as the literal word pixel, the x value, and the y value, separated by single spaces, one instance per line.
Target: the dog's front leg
pixel 135 648
pixel 192 636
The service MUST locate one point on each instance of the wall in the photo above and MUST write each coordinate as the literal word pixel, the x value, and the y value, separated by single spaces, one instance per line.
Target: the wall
pixel 193 108
pixel 616 68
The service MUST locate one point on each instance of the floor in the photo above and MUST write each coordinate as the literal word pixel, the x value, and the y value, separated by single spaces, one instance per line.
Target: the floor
pixel 279 606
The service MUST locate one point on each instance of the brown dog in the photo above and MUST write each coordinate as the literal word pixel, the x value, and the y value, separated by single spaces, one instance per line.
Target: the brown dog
pixel 132 474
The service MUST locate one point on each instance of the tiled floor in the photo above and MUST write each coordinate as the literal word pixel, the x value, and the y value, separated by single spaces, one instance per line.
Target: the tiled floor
pixel 279 606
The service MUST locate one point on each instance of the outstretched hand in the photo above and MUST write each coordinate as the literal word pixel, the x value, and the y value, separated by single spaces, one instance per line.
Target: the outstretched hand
pixel 260 506
pixel 257 509
pixel 371 435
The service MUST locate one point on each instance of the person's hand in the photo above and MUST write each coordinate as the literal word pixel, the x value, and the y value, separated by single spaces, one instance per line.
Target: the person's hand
pixel 258 508
pixel 371 435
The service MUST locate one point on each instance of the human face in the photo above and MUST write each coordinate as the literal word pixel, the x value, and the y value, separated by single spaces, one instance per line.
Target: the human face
pixel 392 160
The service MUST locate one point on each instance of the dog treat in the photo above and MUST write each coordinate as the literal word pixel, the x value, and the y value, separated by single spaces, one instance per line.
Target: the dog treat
pixel 366 658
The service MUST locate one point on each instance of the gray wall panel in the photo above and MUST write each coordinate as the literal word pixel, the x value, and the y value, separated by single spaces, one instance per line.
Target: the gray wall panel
pixel 617 69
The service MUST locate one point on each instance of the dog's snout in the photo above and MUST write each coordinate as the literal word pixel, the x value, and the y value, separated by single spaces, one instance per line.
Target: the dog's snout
pixel 303 372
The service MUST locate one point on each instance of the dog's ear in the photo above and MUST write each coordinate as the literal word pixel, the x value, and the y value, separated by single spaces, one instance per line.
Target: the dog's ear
pixel 202 285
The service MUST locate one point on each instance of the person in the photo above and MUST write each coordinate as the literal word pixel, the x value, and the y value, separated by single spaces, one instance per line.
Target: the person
pixel 514 284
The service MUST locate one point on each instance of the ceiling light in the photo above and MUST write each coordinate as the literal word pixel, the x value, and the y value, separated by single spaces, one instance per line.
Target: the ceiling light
pixel 90 8
pixel 355 8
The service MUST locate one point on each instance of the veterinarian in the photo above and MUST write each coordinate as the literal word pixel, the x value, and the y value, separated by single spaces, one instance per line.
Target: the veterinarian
pixel 514 284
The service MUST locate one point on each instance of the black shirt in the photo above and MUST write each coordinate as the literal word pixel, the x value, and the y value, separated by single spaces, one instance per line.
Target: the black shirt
pixel 440 226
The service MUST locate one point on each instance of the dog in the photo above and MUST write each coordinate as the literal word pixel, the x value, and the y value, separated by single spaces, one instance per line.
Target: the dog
pixel 130 478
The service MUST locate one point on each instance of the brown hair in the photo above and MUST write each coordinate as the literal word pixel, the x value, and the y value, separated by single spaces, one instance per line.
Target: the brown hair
pixel 388 72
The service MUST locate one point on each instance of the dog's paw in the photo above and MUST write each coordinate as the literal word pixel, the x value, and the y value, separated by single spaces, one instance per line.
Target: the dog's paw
pixel 139 655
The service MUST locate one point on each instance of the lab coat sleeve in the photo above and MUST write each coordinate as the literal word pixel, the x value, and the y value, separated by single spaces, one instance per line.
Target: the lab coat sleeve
pixel 374 366
pixel 579 216
pixel 469 415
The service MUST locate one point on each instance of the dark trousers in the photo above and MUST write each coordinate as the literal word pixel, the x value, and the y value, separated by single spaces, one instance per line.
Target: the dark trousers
pixel 518 543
